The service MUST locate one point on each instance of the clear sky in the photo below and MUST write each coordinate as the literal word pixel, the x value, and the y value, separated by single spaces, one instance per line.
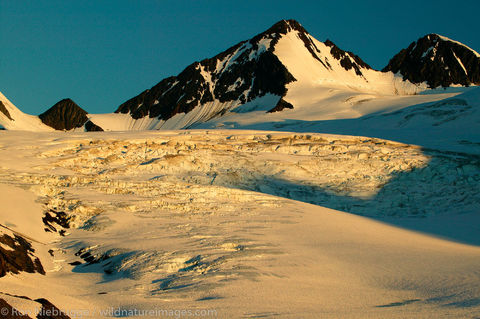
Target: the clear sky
pixel 101 53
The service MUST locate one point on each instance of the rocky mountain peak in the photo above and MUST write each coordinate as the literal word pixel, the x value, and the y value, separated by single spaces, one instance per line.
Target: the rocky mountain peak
pixel 348 60
pixel 438 61
pixel 236 76
pixel 284 26
pixel 64 115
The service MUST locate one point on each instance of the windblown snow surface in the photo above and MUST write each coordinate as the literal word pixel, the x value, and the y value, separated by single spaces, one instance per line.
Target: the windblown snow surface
pixel 446 119
pixel 242 224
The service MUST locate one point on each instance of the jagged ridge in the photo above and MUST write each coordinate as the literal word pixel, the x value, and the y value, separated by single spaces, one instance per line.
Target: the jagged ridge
pixel 244 72
pixel 438 61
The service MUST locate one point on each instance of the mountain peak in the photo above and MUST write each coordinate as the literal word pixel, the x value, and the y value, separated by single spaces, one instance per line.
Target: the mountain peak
pixel 67 102
pixel 347 59
pixel 433 36
pixel 257 71
pixel 285 26
pixel 67 115
pixel 238 75
pixel 64 115
pixel 438 61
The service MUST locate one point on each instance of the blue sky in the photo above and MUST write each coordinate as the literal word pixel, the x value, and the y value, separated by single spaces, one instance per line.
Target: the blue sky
pixel 101 53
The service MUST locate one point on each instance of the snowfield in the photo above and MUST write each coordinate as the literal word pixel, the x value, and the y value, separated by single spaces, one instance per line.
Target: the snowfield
pixel 446 119
pixel 246 223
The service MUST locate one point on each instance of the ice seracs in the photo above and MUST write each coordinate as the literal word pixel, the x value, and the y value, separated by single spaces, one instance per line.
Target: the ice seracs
pixel 205 220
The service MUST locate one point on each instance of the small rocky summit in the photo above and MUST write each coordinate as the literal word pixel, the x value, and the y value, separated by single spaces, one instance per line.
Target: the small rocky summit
pixel 67 115
pixel 438 61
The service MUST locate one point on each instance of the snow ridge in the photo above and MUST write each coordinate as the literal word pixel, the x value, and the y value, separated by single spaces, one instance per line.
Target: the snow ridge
pixel 444 38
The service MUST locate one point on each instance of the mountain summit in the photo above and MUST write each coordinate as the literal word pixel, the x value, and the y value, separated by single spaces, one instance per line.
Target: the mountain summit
pixel 270 73
pixel 240 74
pixel 67 115
pixel 438 61
pixel 64 115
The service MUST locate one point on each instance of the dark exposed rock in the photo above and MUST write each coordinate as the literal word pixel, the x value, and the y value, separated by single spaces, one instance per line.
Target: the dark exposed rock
pixel 4 110
pixel 64 115
pixel 8 312
pixel 59 218
pixel 46 311
pixel 49 311
pixel 437 61
pixel 89 258
pixel 109 261
pixel 75 263
pixel 92 127
pixel 19 257
pixel 244 72
pixel 241 73
pixel 347 59
pixel 282 104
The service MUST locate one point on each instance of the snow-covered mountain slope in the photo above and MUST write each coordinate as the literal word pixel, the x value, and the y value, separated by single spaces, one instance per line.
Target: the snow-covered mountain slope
pixel 11 118
pixel 282 73
pixel 214 220
pixel 65 115
pixel 447 120
pixel 438 61
pixel 281 68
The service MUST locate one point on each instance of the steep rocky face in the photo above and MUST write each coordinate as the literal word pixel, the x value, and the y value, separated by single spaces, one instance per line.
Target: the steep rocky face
pixel 241 73
pixel 4 110
pixel 92 127
pixel 16 255
pixel 438 61
pixel 281 105
pixel 49 310
pixel 64 115
pixel 348 60
pixel 67 115
pixel 244 72
pixel 9 312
